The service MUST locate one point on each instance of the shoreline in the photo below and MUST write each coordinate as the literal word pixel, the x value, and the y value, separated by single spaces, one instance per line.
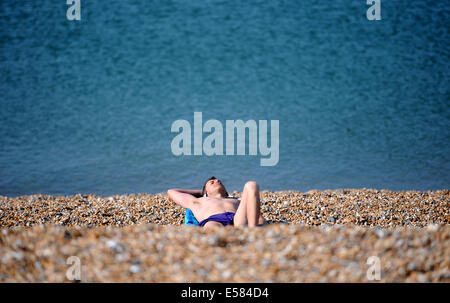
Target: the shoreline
pixel 367 207
pixel 339 189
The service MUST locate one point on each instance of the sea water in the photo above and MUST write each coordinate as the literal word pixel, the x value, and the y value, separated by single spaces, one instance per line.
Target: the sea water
pixel 87 106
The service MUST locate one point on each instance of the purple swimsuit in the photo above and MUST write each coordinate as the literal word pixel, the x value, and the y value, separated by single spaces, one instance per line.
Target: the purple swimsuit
pixel 224 218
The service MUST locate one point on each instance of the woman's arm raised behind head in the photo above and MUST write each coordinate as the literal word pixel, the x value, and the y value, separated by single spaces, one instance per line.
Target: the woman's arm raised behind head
pixel 186 198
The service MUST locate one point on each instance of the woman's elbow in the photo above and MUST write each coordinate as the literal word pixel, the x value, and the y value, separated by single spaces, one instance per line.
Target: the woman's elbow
pixel 169 193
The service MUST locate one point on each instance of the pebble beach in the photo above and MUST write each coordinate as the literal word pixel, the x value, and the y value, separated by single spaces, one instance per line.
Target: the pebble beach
pixel 314 236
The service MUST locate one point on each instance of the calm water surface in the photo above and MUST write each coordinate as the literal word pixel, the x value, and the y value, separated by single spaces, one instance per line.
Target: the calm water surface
pixel 87 107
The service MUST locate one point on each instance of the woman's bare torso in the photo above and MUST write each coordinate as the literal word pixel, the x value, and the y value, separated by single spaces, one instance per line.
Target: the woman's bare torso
pixel 206 207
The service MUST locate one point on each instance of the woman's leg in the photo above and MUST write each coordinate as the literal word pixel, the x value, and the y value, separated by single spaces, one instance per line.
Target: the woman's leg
pixel 212 225
pixel 248 211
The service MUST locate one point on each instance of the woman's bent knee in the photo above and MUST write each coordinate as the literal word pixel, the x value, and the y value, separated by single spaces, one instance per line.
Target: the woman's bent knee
pixel 251 185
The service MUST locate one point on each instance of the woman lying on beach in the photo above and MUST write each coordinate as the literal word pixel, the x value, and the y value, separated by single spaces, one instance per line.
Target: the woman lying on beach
pixel 214 208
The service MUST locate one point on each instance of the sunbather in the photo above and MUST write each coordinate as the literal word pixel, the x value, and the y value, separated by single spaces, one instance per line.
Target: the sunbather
pixel 213 207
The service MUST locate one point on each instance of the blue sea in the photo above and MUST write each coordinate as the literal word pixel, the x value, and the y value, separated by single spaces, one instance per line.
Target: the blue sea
pixel 87 106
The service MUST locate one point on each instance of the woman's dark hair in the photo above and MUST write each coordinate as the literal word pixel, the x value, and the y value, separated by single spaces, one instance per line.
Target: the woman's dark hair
pixel 204 194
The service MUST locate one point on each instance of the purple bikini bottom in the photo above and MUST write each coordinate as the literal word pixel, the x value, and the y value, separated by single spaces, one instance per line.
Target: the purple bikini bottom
pixel 224 218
